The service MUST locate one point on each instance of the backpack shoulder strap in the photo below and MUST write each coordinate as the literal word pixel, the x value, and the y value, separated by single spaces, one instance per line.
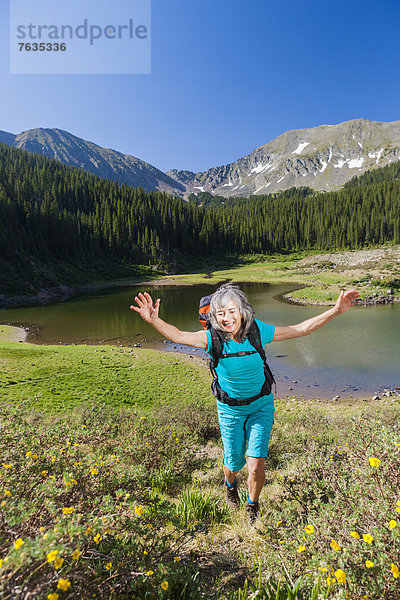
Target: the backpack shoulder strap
pixel 254 337
pixel 217 342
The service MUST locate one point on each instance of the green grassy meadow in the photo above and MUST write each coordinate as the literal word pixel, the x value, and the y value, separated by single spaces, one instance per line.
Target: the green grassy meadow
pixel 111 486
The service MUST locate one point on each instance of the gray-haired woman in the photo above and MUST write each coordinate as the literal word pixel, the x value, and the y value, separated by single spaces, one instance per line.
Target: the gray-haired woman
pixel 240 377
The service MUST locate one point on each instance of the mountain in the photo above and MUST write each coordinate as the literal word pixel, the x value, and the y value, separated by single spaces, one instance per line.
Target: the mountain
pixel 322 158
pixel 104 162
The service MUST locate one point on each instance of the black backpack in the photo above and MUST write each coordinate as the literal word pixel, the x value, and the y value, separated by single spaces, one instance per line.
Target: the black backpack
pixel 217 339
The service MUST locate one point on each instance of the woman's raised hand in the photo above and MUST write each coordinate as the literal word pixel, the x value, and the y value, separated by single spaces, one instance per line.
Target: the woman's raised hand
pixel 145 307
pixel 346 300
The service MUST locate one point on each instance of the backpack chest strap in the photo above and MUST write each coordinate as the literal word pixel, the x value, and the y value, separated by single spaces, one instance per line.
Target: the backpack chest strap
pixel 241 353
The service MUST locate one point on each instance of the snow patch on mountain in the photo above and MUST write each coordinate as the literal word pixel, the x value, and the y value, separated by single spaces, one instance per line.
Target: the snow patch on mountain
pixel 357 141
pixel 340 164
pixel 376 155
pixel 258 169
pixel 300 147
pixel 356 163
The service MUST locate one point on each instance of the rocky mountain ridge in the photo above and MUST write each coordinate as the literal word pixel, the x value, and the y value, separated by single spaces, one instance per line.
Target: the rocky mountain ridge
pixel 104 162
pixel 322 158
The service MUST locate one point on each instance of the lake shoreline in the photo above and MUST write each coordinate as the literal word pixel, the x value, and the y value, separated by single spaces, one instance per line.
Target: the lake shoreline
pixel 375 273
pixel 11 333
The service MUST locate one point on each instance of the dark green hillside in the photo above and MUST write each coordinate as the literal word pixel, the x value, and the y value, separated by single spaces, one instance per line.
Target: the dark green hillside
pixel 60 224
pixel 389 173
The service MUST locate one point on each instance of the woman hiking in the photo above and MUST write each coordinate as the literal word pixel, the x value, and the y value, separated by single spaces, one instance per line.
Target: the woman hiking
pixel 242 382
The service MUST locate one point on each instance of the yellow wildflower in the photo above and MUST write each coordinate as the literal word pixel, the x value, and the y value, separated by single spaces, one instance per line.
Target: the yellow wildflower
pixel 18 543
pixel 374 462
pixel 164 585
pixel 7 466
pixel 367 538
pixel 148 573
pixel 335 545
pixel 1 562
pixel 177 558
pixel 51 557
pixel 97 538
pixel 145 552
pixel 3 503
pixel 138 510
pixel 395 571
pixel 7 493
pixel 63 584
pixel 76 554
pixel 369 564
pixel 68 510
pixel 44 473
pixel 108 566
pixel 94 471
pixel 301 549
pixel 392 524
pixel 29 454
pixel 58 563
pixel 323 569
pixel 278 523
pixel 309 529
pixel 340 576
pixel 355 535
pixel 53 596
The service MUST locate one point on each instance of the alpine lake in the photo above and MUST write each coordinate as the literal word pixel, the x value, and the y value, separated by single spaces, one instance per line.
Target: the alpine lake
pixel 357 354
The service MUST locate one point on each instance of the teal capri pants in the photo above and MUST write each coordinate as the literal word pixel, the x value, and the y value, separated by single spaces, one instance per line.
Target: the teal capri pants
pixel 243 426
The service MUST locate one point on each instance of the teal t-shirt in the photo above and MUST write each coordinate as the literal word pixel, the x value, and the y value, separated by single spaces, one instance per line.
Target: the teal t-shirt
pixel 242 376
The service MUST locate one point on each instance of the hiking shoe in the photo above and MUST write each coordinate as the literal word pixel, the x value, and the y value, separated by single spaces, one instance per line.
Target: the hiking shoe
pixel 232 496
pixel 251 511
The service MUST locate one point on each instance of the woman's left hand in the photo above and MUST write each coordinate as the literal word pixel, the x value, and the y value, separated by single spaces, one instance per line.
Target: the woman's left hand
pixel 346 300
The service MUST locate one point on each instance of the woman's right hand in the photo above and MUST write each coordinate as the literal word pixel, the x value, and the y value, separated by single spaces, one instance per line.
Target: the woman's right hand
pixel 145 307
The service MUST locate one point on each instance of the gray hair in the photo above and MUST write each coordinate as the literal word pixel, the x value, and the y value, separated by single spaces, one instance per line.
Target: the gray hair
pixel 221 297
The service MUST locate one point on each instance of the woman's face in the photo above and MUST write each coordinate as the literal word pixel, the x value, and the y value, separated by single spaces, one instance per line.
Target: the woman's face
pixel 229 318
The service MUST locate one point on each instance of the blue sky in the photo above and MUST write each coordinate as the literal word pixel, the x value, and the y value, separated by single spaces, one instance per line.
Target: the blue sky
pixel 227 76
